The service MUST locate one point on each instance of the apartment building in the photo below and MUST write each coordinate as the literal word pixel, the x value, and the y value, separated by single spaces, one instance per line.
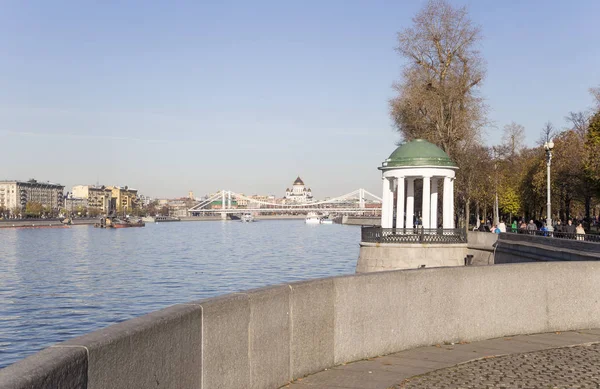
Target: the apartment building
pixel 16 194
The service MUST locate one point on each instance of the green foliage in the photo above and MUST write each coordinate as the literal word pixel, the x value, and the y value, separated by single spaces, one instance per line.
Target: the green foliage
pixel 33 209
pixel 509 201
pixel 592 153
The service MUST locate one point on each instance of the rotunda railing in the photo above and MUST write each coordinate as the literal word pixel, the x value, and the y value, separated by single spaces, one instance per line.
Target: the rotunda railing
pixel 413 235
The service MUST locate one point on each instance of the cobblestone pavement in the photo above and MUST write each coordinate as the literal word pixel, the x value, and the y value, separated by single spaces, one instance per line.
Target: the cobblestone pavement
pixel 545 361
pixel 569 367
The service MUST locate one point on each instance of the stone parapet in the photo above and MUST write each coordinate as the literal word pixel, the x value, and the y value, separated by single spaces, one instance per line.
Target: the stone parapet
pixel 266 337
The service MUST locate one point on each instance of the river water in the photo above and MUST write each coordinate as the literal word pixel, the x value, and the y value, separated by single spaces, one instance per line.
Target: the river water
pixel 56 284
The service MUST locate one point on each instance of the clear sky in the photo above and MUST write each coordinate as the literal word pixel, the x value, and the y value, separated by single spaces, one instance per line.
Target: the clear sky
pixel 174 96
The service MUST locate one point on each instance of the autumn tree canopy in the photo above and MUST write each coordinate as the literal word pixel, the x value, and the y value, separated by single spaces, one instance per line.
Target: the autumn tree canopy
pixel 438 97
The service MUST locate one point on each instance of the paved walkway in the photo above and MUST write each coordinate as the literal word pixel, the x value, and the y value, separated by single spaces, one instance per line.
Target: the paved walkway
pixel 524 361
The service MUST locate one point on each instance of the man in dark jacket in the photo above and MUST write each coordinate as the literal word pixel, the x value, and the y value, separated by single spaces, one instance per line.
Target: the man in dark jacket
pixel 570 227
pixel 558 227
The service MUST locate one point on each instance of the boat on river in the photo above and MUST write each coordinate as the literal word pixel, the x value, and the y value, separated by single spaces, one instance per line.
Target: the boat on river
pixel 312 218
pixel 118 223
pixel 114 222
pixel 326 220
pixel 163 219
pixel 247 218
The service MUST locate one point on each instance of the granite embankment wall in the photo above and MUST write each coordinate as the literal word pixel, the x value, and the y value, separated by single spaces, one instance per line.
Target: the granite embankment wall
pixel 361 220
pixel 481 246
pixel 11 223
pixel 488 248
pixel 266 337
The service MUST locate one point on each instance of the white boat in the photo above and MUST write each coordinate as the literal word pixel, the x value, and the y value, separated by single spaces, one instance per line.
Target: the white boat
pixel 326 220
pixel 312 218
pixel 148 219
pixel 247 218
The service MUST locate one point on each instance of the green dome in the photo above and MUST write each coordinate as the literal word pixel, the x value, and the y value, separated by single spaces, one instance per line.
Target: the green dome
pixel 418 152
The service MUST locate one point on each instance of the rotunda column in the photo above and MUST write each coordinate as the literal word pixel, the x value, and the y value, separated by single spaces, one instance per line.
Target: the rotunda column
pixel 446 200
pixel 434 202
pixel 400 203
pixel 390 217
pixel 426 201
pixel 387 204
pixel 384 202
pixel 452 203
pixel 410 202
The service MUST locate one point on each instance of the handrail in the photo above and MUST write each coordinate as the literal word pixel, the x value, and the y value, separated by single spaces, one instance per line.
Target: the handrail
pixel 557 234
pixel 413 235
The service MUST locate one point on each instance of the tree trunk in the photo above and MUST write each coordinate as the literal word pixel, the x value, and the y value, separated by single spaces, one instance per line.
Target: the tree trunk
pixel 467 212
pixel 588 203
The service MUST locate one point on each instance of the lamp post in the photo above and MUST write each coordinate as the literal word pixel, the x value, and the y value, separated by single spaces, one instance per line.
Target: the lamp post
pixel 548 146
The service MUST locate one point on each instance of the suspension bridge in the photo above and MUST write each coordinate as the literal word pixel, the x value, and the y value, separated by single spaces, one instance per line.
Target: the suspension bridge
pixel 359 201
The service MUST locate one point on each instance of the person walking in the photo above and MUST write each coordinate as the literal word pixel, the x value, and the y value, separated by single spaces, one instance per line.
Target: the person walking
pixel 502 226
pixel 483 227
pixel 558 227
pixel 580 232
pixel 513 227
pixel 531 227
pixel 570 228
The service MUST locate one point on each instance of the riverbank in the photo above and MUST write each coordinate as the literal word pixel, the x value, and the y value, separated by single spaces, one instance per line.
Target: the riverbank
pixel 33 223
pixel 260 217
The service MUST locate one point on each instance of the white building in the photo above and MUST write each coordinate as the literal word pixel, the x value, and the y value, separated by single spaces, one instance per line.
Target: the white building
pixel 299 193
pixel 16 194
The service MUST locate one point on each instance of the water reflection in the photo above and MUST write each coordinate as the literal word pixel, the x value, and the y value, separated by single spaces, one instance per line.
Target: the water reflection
pixel 59 283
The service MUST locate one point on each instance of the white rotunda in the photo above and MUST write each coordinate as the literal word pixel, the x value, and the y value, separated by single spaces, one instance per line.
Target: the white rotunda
pixel 423 161
pixel 408 239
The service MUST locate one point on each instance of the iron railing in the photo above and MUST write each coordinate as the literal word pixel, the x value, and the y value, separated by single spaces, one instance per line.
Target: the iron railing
pixel 559 235
pixel 413 235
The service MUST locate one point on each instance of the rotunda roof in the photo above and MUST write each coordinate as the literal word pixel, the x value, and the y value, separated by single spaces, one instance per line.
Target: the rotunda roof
pixel 418 152
pixel 298 181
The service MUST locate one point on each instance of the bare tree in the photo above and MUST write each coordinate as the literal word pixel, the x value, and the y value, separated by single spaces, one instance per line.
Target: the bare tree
pixel 438 97
pixel 548 132
pixel 579 123
pixel 596 93
pixel 513 139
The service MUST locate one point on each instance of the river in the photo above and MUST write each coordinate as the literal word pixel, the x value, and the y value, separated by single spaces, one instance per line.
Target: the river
pixel 56 284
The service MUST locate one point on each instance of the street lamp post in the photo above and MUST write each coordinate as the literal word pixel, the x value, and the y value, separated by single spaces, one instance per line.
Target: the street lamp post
pixel 548 146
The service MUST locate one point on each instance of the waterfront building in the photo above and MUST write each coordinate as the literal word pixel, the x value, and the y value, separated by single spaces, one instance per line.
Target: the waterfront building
pixel 299 193
pixel 123 198
pixel 218 204
pixel 98 197
pixel 241 202
pixel 144 201
pixel 72 204
pixel 179 207
pixel 16 194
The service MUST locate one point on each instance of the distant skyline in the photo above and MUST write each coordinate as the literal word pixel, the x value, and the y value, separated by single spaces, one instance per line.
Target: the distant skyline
pixel 169 97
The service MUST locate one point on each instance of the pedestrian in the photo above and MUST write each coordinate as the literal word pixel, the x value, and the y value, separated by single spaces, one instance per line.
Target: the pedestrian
pixel 513 227
pixel 496 230
pixel 580 232
pixel 531 227
pixel 558 227
pixel 570 228
pixel 483 227
pixel 502 226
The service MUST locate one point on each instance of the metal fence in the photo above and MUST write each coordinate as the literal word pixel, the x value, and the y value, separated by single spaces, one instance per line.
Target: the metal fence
pixel 413 235
pixel 559 235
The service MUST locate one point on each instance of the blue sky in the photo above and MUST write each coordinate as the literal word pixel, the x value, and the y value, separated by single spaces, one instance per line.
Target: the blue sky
pixel 189 95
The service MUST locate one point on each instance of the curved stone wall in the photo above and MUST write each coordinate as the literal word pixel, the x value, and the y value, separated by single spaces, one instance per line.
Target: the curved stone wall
pixel 266 337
